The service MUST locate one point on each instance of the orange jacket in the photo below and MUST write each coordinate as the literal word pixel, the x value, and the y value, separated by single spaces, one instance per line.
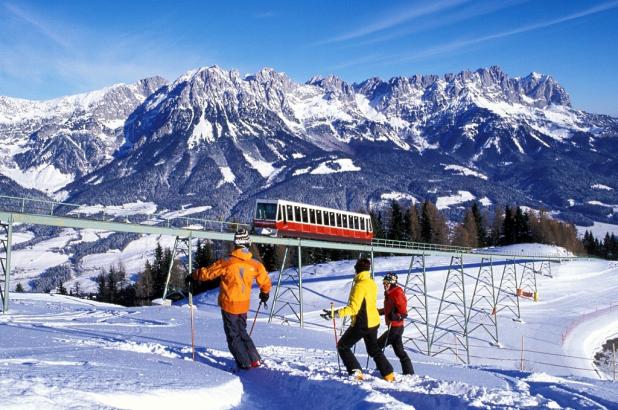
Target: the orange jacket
pixel 237 274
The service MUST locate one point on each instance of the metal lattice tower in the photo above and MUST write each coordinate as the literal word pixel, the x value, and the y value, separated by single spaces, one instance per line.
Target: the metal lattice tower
pixel 6 240
pixel 527 281
pixel 482 314
pixel 289 291
pixel 182 246
pixel 451 319
pixel 507 290
pixel 545 269
pixel 418 310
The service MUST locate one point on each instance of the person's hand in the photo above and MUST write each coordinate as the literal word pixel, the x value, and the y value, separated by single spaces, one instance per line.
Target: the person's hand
pixel 328 314
pixel 396 317
pixel 264 297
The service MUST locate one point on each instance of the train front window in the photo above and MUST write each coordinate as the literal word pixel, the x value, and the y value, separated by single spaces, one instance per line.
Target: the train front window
pixel 266 211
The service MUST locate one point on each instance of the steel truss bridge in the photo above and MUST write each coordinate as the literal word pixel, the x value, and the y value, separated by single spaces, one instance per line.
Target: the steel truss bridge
pixel 469 306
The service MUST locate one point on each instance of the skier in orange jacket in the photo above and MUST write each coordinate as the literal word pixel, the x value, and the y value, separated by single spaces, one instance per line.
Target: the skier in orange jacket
pixel 237 274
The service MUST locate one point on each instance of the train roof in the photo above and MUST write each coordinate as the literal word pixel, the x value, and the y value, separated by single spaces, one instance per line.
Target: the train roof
pixel 323 208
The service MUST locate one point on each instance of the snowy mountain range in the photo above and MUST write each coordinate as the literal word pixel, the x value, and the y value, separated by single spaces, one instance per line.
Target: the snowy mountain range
pixel 216 140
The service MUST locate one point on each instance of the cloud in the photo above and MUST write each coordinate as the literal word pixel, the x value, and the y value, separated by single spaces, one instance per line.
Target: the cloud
pixel 395 18
pixel 42 26
pixel 460 45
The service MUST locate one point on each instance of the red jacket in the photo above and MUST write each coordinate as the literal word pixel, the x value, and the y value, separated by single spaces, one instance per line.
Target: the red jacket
pixel 395 301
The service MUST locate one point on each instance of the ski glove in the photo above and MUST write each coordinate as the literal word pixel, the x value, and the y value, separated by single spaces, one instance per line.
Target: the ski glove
pixel 264 297
pixel 396 316
pixel 328 314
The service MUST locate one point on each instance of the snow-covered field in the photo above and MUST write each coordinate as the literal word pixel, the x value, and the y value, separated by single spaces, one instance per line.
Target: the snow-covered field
pixel 58 352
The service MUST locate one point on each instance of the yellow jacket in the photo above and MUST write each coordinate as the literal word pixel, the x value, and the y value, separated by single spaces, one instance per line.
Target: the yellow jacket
pixel 237 274
pixel 364 289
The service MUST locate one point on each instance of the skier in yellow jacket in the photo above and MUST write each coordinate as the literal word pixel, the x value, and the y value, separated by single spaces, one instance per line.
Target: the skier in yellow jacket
pixel 362 307
pixel 237 274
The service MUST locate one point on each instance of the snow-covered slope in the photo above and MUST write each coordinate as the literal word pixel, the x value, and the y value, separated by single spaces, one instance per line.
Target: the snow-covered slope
pixel 59 352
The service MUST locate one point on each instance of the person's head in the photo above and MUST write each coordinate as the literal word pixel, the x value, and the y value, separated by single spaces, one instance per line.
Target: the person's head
pixel 390 279
pixel 362 264
pixel 241 238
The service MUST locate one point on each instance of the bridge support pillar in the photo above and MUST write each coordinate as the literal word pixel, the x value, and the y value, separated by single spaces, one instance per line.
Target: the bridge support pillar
pixel 289 290
pixel 418 309
pixel 482 313
pixel 182 246
pixel 451 319
pixel 6 241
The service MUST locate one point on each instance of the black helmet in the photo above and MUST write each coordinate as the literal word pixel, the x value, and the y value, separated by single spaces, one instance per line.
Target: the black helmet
pixel 390 278
pixel 241 238
pixel 362 264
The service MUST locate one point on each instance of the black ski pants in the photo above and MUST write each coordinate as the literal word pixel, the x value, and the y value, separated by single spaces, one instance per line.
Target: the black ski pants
pixel 238 340
pixel 393 337
pixel 370 337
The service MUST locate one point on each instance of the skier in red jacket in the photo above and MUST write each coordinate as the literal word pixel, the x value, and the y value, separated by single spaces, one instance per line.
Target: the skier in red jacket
pixel 394 311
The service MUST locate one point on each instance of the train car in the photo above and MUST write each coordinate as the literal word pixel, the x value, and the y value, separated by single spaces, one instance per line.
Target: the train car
pixel 277 217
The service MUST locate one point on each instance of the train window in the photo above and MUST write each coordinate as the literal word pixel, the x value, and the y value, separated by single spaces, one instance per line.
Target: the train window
pixel 281 214
pixel 297 216
pixel 356 223
pixel 369 227
pixel 289 213
pixel 362 224
pixel 266 211
pixel 319 216
pixel 305 215
pixel 338 220
pixel 344 219
pixel 312 216
pixel 332 218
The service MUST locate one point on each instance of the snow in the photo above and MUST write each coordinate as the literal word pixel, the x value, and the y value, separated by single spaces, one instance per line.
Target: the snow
pixel 485 201
pixel 335 166
pixel 62 352
pixel 228 176
pixel 447 201
pixel 460 170
pixel 185 212
pixel 598 229
pixel 601 186
pixel 264 168
pixel 133 208
pixel 203 131
pixel 398 196
pixel 43 177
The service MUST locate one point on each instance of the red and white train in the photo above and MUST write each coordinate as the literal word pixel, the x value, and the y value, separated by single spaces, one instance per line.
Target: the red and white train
pixel 297 220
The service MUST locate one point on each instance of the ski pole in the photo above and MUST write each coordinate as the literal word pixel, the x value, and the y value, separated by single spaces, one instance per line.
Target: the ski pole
pixel 255 317
pixel 332 314
pixel 192 321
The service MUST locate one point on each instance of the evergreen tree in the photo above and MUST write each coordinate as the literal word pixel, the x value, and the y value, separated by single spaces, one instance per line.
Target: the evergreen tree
pixel 522 227
pixel 396 227
pixel 62 289
pixel 102 288
pixel 426 222
pixel 479 221
pixel 376 223
pixel 497 225
pixel 19 288
pixel 413 224
pixel 508 236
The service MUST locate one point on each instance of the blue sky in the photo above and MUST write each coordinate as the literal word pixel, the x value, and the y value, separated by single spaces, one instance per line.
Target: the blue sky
pixel 55 48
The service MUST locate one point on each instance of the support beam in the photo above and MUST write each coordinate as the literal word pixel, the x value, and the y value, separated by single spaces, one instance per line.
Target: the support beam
pixel 415 288
pixel 507 291
pixel 451 320
pixel 482 313
pixel 182 246
pixel 6 242
pixel 288 293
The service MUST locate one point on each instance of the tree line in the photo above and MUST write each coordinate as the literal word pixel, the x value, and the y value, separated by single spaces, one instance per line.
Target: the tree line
pixel 607 248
